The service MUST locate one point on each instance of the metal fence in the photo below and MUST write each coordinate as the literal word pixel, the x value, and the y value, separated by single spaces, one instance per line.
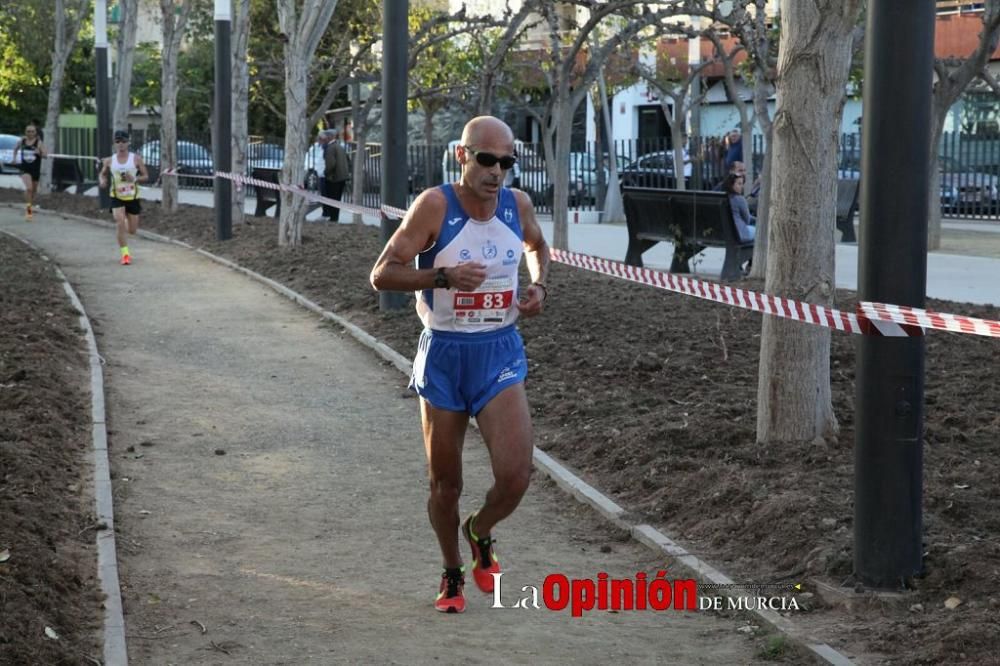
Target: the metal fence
pixel 968 182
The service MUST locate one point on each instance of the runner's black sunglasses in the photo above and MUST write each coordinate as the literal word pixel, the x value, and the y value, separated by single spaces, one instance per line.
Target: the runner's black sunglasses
pixel 489 159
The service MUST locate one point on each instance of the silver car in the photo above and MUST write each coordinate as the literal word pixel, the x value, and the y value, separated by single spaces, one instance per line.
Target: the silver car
pixel 7 144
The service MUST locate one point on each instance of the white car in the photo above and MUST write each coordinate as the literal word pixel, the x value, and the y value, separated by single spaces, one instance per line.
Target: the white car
pixel 7 144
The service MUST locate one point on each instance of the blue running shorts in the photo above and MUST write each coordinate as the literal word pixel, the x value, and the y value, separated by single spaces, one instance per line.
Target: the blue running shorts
pixel 462 372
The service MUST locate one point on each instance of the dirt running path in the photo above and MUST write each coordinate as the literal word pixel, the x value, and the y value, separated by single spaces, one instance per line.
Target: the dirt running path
pixel 307 542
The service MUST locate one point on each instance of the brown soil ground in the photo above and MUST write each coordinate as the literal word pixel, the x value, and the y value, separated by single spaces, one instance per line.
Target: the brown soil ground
pixel 651 396
pixel 47 577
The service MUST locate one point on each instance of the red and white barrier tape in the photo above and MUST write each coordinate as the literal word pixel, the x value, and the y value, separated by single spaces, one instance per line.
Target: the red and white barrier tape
pixel 916 317
pixel 871 319
pixel 718 293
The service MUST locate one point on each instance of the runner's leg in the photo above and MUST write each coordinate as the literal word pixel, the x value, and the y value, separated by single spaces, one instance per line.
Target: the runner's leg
pixel 505 423
pixel 121 226
pixel 444 435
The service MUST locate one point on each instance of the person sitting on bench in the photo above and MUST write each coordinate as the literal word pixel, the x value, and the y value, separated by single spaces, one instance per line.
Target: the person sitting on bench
pixel 745 222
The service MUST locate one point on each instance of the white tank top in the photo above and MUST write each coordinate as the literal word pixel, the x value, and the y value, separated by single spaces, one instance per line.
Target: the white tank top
pixel 123 185
pixel 498 244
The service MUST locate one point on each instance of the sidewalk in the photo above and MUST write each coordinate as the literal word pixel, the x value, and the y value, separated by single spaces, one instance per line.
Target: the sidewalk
pixel 269 480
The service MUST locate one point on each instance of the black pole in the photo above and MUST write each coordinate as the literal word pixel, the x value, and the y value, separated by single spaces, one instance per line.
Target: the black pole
pixel 103 92
pixel 223 121
pixel 888 458
pixel 393 159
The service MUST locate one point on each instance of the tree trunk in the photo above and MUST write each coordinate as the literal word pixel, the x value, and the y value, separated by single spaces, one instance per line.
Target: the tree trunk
pixel 938 116
pixel 293 207
pixel 361 113
pixel 301 32
pixel 241 87
pixel 761 88
pixel 559 173
pixel 67 31
pixel 174 23
pixel 126 56
pixel 614 210
pixel 678 141
pixel 793 396
pixel 429 110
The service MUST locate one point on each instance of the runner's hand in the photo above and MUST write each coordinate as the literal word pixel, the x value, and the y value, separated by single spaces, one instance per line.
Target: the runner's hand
pixel 467 276
pixel 531 302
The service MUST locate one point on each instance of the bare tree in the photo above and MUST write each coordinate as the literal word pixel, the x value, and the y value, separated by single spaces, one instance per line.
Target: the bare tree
pixel 494 49
pixel 360 113
pixel 673 87
pixel 126 56
pixel 569 84
pixel 68 22
pixel 241 89
pixel 953 77
pixel 174 16
pixel 301 28
pixel 793 395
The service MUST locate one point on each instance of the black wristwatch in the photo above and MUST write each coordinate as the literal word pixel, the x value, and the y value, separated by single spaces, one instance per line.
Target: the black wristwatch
pixel 441 279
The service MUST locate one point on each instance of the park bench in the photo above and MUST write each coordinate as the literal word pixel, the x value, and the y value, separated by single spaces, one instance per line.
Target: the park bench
pixel 847 205
pixel 65 172
pixel 266 197
pixel 690 219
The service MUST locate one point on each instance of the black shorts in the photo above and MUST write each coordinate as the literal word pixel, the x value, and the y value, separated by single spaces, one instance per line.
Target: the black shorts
pixel 33 169
pixel 131 206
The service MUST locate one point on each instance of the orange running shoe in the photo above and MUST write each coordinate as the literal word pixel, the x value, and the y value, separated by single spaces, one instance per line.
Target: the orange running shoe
pixel 484 560
pixel 28 214
pixel 126 259
pixel 451 596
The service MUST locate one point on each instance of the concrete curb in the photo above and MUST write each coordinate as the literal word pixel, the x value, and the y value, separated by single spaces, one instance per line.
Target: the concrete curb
pixel 115 651
pixel 683 561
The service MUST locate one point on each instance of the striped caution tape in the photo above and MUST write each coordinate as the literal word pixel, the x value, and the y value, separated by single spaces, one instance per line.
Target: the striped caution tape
pixel 917 317
pixel 742 298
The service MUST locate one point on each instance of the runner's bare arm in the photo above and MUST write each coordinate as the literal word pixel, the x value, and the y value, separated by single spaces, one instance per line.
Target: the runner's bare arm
pixel 394 269
pixel 536 256
pixel 102 178
pixel 141 167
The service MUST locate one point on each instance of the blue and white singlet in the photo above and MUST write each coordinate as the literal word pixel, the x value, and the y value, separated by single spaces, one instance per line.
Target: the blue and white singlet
pixel 498 244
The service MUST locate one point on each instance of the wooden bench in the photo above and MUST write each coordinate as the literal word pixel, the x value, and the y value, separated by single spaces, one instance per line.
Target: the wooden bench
pixel 266 197
pixel 65 172
pixel 847 205
pixel 690 219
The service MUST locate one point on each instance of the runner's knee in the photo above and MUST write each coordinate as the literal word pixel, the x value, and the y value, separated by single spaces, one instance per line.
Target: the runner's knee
pixel 446 490
pixel 513 484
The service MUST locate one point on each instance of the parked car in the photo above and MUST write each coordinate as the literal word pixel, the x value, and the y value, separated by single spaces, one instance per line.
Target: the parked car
pixel 961 186
pixel 966 187
pixel 653 170
pixel 192 159
pixel 272 156
pixel 7 144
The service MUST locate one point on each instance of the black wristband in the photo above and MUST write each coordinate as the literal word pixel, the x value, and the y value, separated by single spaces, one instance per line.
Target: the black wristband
pixel 545 290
